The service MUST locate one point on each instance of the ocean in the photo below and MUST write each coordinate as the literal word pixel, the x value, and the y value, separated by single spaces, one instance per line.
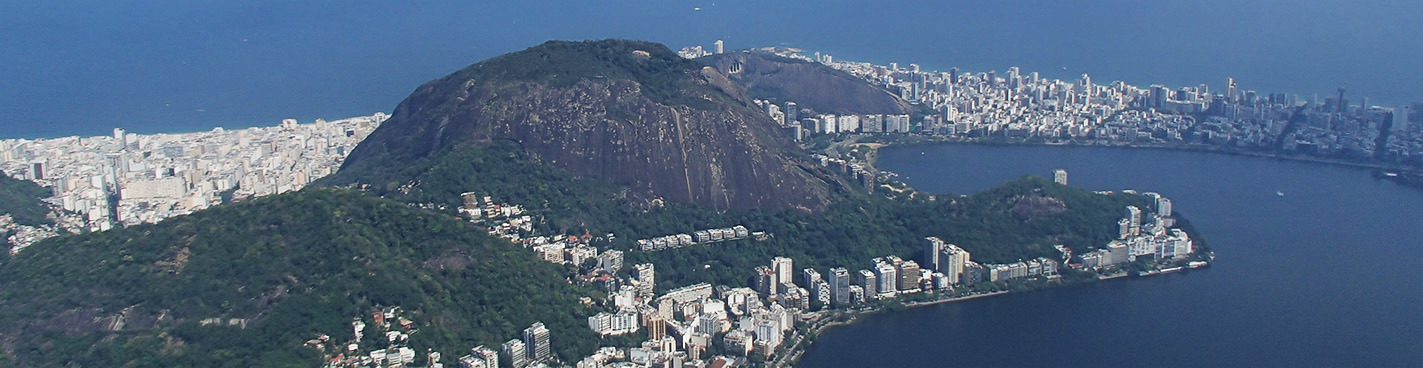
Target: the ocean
pixel 1325 275
pixel 86 67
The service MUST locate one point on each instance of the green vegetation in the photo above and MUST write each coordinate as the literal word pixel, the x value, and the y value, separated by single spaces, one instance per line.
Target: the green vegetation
pixel 1011 222
pixel 664 76
pixel 21 200
pixel 1022 219
pixel 305 263
pixel 293 265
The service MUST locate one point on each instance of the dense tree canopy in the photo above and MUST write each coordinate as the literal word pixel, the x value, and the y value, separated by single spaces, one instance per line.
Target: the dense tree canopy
pixel 21 199
pixel 293 265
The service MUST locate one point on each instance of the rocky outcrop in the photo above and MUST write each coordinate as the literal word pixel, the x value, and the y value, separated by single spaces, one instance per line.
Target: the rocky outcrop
pixel 630 113
pixel 810 85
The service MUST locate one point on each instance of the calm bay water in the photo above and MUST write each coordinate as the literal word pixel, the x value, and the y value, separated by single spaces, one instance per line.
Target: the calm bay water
pixel 1328 275
pixel 85 67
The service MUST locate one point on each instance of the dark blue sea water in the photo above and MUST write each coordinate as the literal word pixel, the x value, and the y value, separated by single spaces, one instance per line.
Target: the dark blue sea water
pixel 1327 275
pixel 85 67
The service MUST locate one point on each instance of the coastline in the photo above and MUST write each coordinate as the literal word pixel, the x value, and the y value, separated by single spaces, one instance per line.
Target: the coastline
pixel 796 351
pixel 793 354
pixel 933 140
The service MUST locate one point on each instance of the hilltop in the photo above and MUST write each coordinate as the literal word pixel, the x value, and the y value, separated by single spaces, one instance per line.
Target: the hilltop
pixel 628 113
pixel 613 140
pixel 290 267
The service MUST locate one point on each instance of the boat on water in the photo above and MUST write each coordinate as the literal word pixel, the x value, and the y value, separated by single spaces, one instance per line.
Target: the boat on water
pixel 1279 193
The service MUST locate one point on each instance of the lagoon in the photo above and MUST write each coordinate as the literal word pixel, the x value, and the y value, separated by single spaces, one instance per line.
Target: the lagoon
pixel 1326 275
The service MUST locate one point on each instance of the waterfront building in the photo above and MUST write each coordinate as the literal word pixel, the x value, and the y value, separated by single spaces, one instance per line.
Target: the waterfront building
pixel 840 286
pixel 1117 251
pixel 868 282
pixel 1059 176
pixel 888 278
pixel 952 261
pixel 932 247
pixel 908 275
pixel 822 293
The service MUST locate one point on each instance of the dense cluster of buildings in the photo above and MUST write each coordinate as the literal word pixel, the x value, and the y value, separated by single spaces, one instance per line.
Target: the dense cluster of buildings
pixel 1141 234
pixel 681 324
pixel 391 347
pixel 22 235
pixel 1025 106
pixel 706 236
pixel 127 178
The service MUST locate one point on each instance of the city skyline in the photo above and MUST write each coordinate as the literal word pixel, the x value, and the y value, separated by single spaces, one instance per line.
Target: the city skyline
pixel 153 85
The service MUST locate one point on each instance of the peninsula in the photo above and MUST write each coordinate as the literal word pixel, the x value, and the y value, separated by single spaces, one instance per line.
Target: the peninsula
pixel 589 204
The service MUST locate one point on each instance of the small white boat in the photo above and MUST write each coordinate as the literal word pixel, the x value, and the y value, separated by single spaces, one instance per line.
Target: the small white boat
pixel 1279 193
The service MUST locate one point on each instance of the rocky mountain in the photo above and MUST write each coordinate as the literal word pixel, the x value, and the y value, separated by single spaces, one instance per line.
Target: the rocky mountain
pixel 810 85
pixel 629 113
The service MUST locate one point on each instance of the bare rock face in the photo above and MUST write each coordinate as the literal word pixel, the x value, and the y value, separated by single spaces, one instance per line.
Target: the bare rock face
pixel 626 112
pixel 810 85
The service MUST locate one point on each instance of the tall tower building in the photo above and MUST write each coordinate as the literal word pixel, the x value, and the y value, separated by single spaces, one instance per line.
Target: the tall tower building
pixel 764 281
pixel 1134 219
pixel 1400 119
pixel 1230 89
pixel 1342 104
pixel 536 341
pixel 953 262
pixel 888 278
pixel 811 277
pixel 783 268
pixel 869 282
pixel 908 275
pixel 1059 176
pixel 719 46
pixel 645 278
pixel 932 247
pixel 840 286
pixel 1163 207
